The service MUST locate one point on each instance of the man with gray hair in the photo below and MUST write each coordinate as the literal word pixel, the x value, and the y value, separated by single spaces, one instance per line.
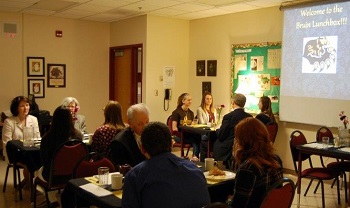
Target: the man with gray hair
pixel 222 149
pixel 125 146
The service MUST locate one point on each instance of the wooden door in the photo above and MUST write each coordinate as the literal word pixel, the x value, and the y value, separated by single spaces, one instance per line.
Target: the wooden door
pixel 125 76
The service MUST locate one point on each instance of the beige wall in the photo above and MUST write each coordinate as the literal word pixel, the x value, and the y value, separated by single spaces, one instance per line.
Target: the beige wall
pixel 167 45
pixel 211 38
pixel 84 50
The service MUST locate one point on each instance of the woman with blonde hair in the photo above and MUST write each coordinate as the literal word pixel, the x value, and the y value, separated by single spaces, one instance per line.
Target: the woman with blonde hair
pixel 183 115
pixel 113 124
pixel 258 166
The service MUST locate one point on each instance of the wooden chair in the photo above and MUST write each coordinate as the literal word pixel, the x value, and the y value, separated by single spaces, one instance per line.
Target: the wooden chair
pixel 272 128
pixel 64 160
pixel 181 144
pixel 319 173
pixel 280 194
pixel 89 164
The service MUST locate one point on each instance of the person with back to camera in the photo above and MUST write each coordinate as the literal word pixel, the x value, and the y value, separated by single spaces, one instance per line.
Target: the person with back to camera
pixel 163 180
pixel 183 115
pixel 61 130
pixel 113 124
pixel 206 113
pixel 79 120
pixel 222 149
pixel 13 129
pixel 258 165
pixel 265 114
pixel 125 146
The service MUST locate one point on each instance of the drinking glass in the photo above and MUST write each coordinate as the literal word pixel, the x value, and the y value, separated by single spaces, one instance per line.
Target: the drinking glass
pixel 325 142
pixel 103 176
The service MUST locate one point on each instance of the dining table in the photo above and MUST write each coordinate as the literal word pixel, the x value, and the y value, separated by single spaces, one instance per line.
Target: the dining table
pixel 313 148
pixel 202 129
pixel 218 190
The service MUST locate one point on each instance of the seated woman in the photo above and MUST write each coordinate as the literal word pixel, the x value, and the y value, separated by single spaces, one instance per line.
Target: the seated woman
pixel 61 130
pixel 78 120
pixel 206 113
pixel 182 115
pixel 258 166
pixel 14 125
pixel 265 114
pixel 113 124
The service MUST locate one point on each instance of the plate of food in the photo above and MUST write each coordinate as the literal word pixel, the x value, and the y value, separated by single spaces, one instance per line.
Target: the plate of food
pixel 216 174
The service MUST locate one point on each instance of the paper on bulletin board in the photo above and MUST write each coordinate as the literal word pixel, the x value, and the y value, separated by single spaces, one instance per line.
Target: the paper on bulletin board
pixel 168 77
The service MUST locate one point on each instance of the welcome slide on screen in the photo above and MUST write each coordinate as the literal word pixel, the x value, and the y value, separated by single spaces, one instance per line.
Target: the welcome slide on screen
pixel 315 72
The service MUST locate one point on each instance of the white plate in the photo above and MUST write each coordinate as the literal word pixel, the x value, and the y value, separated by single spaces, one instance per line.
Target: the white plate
pixel 228 175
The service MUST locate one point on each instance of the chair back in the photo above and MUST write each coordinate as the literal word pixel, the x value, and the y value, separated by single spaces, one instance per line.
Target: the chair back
pixel 169 122
pixel 64 160
pixel 88 165
pixel 272 128
pixel 297 138
pixel 280 194
pixel 324 132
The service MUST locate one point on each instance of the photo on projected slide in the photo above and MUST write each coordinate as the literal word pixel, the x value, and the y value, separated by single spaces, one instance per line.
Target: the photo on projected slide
pixel 320 55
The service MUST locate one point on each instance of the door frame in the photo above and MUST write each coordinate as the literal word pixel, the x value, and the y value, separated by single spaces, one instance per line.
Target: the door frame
pixel 135 76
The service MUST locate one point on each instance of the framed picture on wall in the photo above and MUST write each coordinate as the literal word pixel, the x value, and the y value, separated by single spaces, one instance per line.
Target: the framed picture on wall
pixel 36 87
pixel 35 66
pixel 200 68
pixel 211 68
pixel 56 75
pixel 206 87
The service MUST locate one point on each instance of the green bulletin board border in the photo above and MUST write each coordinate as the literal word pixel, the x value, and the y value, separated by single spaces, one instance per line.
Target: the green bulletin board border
pixel 257 49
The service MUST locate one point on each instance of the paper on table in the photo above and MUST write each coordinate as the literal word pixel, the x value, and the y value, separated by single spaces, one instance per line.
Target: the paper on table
pixel 317 145
pixel 96 190
pixel 345 149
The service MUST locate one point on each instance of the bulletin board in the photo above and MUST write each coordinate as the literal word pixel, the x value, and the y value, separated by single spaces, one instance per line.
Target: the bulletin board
pixel 255 72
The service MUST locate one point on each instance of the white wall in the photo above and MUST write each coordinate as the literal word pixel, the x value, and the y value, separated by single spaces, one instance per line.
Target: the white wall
pixel 84 50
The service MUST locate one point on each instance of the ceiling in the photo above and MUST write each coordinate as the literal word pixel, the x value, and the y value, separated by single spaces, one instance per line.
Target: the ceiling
pixel 114 10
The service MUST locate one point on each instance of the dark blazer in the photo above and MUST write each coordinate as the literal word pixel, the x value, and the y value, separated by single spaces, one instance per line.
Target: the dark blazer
pixel 124 149
pixel 222 149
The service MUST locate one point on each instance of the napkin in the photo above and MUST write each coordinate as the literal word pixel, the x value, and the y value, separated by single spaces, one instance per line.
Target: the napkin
pixel 317 145
pixel 96 190
pixel 345 149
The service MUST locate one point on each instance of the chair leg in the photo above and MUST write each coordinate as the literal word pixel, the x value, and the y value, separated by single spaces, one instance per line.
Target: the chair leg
pixel 318 184
pixel 322 189
pixel 346 188
pixel 7 173
pixel 19 182
pixel 188 149
pixel 308 187
pixel 33 196
pixel 47 199
pixel 338 190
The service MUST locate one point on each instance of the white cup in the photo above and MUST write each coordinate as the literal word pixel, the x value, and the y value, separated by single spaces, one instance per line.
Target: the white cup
pixel 209 124
pixel 103 176
pixel 117 181
pixel 209 163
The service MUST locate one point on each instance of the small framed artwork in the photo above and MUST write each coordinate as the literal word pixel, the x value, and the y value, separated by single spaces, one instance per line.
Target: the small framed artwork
pixel 56 75
pixel 36 87
pixel 206 87
pixel 211 68
pixel 200 68
pixel 35 66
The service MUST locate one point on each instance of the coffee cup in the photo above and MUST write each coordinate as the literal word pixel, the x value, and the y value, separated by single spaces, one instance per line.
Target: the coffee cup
pixel 117 181
pixel 209 163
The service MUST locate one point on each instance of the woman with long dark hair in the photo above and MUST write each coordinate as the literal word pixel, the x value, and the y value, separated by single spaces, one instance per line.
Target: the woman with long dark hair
pixel 265 114
pixel 61 130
